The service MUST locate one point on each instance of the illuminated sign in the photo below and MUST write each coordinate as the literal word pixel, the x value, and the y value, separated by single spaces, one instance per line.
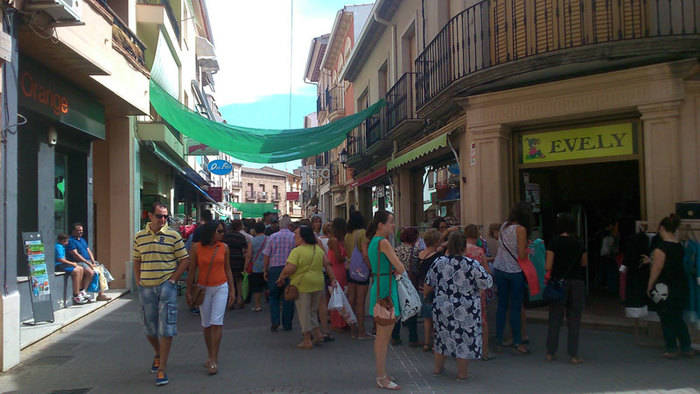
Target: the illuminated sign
pixel 575 144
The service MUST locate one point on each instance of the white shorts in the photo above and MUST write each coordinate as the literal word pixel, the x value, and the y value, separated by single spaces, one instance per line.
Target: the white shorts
pixel 214 306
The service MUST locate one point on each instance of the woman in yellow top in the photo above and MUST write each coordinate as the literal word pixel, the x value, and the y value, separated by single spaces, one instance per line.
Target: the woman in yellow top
pixel 305 269
pixel 217 282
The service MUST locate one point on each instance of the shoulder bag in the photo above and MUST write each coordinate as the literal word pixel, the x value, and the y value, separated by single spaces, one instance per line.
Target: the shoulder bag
pixel 199 291
pixel 384 308
pixel 533 284
pixel 358 270
pixel 291 292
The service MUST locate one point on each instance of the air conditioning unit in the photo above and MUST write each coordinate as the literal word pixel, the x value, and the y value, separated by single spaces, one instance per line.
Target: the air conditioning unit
pixel 62 11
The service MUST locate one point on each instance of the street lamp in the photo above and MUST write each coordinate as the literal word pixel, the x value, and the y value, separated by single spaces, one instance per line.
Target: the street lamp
pixel 343 157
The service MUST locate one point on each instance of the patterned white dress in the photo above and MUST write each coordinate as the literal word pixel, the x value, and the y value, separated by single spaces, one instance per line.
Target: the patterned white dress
pixel 457 281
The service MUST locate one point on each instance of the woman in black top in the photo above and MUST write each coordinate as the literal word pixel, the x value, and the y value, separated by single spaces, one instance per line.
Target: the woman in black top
pixel 667 269
pixel 566 259
pixel 240 252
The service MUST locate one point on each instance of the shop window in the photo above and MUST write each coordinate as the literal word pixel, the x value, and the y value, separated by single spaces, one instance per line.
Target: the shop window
pixel 441 193
pixel 60 194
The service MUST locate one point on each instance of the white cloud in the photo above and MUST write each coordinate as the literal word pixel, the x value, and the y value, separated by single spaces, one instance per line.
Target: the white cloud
pixel 252 46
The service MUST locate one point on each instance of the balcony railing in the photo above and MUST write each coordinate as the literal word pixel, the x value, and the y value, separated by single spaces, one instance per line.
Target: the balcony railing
pixel 250 196
pixel 168 10
pixel 262 196
pixel 496 32
pixel 236 184
pixel 336 99
pixel 356 142
pixel 400 101
pixel 275 196
pixel 124 39
pixel 373 130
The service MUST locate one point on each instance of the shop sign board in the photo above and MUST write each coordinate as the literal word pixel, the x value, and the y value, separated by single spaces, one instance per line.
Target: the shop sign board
pixel 220 167
pixel 45 93
pixel 39 285
pixel 581 143
pixel 216 193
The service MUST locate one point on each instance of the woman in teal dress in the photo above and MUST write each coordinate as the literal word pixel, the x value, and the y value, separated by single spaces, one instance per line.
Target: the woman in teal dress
pixel 383 260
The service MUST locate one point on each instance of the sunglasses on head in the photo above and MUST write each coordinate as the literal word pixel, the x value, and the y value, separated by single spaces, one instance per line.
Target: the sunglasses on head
pixel 159 216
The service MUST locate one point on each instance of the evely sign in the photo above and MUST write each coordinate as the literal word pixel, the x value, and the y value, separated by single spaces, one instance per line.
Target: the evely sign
pixel 576 144
pixel 220 167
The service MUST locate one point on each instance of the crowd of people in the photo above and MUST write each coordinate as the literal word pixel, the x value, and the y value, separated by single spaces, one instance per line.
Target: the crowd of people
pixel 295 266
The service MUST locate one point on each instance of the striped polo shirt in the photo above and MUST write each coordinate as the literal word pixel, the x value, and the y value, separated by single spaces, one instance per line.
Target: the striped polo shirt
pixel 159 253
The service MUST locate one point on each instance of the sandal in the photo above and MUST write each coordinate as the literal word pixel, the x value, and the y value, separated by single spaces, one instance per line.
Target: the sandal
pixel 487 357
pixel 388 386
pixel 576 360
pixel 520 351
pixel 213 369
pixel 461 379
pixel 305 346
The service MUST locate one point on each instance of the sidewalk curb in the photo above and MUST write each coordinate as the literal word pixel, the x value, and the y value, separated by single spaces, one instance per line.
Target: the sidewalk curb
pixel 54 327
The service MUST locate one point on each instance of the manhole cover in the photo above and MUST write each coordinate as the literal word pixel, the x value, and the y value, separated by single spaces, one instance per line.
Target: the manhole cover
pixel 50 360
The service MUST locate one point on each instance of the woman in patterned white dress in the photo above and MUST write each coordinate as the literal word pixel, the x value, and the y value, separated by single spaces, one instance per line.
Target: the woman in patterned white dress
pixel 457 281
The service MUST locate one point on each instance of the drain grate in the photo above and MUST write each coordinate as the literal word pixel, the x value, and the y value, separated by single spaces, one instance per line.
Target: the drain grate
pixel 50 360
pixel 72 391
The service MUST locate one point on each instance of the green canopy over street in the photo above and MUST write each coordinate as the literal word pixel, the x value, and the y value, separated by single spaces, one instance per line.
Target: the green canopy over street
pixel 256 145
pixel 251 210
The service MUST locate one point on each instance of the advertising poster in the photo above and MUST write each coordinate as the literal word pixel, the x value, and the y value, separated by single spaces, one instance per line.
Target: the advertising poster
pixel 37 268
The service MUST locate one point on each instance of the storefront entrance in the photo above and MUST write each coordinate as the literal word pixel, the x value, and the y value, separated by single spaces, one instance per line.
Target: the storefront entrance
pixel 604 191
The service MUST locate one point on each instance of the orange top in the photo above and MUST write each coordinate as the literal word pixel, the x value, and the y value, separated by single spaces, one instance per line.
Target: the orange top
pixel 217 276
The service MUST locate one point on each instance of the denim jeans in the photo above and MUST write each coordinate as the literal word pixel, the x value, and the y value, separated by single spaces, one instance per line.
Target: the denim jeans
pixel 511 287
pixel 412 324
pixel 159 307
pixel 277 297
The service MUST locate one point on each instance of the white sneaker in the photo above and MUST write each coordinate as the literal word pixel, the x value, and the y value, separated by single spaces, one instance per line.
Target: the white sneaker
pixel 79 300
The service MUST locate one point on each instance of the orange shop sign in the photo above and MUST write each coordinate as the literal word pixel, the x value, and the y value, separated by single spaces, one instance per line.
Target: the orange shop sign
pixel 43 95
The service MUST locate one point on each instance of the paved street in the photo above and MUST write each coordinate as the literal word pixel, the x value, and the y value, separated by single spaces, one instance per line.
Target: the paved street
pixel 106 352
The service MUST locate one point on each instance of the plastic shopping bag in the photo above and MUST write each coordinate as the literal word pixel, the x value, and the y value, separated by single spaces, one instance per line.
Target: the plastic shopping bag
pixel 245 286
pixel 346 313
pixel 107 274
pixel 336 301
pixel 95 284
pixel 409 300
pixel 100 269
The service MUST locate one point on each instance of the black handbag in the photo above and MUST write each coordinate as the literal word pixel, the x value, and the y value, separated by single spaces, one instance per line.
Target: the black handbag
pixel 555 290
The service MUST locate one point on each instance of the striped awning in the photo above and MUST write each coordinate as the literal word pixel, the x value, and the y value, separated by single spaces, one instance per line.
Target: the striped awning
pixel 431 146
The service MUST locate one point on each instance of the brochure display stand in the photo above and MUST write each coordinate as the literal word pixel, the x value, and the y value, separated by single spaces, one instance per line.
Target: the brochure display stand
pixel 39 284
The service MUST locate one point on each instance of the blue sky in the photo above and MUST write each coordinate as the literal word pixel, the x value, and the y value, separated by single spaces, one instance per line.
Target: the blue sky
pixel 252 40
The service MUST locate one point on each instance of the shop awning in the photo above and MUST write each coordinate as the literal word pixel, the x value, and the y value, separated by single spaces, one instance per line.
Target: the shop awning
pixel 201 191
pixel 432 145
pixel 369 178
pixel 182 168
pixel 251 210
pixel 256 145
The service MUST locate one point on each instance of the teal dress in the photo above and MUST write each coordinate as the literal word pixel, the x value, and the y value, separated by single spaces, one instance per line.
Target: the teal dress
pixel 386 276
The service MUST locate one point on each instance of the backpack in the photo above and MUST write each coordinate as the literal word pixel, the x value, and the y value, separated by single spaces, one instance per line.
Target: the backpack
pixel 359 272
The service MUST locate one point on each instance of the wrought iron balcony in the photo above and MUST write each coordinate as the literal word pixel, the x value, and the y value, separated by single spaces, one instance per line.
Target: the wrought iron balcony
pixel 262 196
pixel 401 105
pixel 516 40
pixel 250 196
pixel 275 196
pixel 336 104
pixel 373 130
pixel 124 40
pixel 236 184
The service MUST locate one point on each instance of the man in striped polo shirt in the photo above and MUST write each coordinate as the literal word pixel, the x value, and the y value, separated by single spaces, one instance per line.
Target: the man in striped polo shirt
pixel 160 258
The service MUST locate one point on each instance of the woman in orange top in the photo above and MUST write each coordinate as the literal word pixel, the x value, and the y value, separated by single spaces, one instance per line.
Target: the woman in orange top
pixel 217 281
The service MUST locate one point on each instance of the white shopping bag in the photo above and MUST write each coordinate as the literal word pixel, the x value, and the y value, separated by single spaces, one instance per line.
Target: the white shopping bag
pixel 409 301
pixel 346 313
pixel 336 301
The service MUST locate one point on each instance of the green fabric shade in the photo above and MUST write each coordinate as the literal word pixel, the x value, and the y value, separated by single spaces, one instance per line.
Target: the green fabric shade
pixel 251 210
pixel 434 144
pixel 256 145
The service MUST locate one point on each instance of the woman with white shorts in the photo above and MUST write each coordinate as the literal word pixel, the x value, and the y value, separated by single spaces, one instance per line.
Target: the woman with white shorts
pixel 209 263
